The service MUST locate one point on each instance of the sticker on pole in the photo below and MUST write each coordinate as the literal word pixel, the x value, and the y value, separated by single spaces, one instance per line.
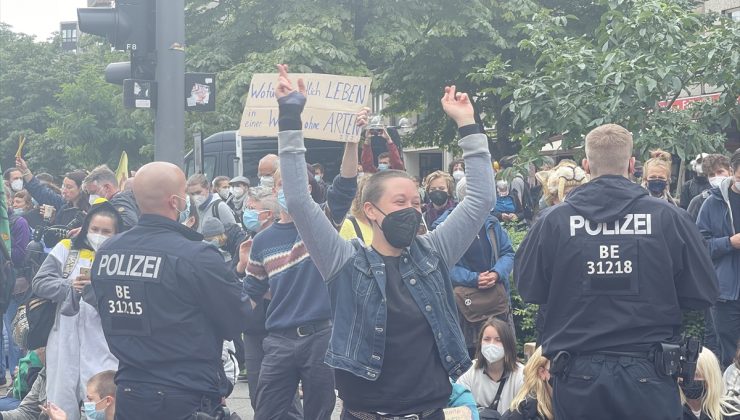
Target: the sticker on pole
pixel 332 102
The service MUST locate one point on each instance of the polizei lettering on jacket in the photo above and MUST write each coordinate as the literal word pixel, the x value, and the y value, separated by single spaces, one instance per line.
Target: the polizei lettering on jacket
pixel 630 224
pixel 131 265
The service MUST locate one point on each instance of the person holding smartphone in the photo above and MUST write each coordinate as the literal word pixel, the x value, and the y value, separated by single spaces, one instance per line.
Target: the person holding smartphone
pixel 67 206
pixel 76 349
pixel 386 160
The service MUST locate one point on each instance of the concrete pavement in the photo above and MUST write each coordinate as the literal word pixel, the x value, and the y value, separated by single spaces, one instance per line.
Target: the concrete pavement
pixel 239 403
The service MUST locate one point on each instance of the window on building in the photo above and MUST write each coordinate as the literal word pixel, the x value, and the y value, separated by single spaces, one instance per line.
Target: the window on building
pixel 734 14
pixel 378 105
pixel 69 36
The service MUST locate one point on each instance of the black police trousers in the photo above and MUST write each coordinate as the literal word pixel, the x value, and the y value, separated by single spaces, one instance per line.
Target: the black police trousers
pixel 139 401
pixel 614 387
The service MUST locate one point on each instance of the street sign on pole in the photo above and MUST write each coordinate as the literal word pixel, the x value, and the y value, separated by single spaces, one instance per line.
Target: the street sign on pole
pixel 200 92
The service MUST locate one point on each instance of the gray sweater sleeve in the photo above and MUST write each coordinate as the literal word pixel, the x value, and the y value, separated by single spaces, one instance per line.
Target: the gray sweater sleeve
pixel 30 407
pixel 453 237
pixel 327 249
pixel 49 283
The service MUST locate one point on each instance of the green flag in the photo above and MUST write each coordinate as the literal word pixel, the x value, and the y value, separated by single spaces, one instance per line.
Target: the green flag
pixel 4 224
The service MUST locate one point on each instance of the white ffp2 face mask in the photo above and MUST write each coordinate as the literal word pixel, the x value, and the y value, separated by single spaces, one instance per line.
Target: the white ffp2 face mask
pixel 95 240
pixel 715 181
pixel 16 185
pixel 93 198
pixel 492 352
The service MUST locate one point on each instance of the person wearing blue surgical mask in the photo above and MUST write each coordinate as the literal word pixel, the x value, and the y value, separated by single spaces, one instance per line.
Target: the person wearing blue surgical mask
pixel 101 397
pixel 384 162
pixel 260 211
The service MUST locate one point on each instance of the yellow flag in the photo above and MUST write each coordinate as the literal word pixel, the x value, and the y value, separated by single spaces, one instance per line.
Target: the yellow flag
pixel 122 171
pixel 21 142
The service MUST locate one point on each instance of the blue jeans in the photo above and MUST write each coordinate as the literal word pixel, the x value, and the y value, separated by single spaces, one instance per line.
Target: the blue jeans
pixel 9 403
pixel 14 352
pixel 287 361
pixel 727 323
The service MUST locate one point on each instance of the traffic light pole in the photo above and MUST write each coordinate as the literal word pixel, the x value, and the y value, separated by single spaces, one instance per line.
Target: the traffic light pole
pixel 169 121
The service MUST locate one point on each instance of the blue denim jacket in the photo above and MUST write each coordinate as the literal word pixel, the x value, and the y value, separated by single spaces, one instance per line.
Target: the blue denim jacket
pixel 358 340
pixel 356 274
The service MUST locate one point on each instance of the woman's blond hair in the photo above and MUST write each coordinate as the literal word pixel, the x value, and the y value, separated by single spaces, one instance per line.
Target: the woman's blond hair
pixel 440 174
pixel 662 159
pixel 560 180
pixel 659 158
pixel 356 209
pixel 535 387
pixel 714 390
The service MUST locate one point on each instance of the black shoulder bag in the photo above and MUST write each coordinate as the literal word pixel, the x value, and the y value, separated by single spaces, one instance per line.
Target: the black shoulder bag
pixel 491 412
pixel 41 313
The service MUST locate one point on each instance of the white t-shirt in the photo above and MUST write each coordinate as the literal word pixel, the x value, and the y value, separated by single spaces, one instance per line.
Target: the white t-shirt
pixel 484 388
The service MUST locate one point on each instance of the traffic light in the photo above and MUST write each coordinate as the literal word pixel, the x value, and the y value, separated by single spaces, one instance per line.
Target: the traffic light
pixel 129 26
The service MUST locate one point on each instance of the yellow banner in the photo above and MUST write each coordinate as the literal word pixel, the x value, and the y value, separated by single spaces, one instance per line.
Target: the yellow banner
pixel 122 171
pixel 21 143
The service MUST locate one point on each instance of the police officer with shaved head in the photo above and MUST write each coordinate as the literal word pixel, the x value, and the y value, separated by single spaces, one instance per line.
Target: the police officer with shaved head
pixel 166 303
pixel 613 269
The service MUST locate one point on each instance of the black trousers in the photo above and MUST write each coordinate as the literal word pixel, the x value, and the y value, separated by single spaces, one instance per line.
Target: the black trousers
pixel 138 401
pixel 614 388
pixel 253 364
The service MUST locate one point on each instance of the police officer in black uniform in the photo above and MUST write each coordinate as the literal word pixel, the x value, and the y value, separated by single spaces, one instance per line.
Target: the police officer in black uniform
pixel 167 303
pixel 613 269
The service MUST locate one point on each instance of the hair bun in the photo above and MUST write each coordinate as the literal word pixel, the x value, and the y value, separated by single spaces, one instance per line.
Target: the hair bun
pixel 661 154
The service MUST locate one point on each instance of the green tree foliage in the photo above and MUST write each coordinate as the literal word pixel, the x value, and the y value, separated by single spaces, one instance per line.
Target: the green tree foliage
pixel 535 68
pixel 58 100
pixel 412 48
pixel 30 76
pixel 640 58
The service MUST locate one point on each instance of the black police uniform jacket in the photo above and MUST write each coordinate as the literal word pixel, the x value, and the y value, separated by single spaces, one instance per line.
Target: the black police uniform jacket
pixel 614 267
pixel 166 303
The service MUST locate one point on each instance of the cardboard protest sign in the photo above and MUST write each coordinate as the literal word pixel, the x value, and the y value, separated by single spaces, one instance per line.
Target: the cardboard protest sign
pixel 458 413
pixel 332 102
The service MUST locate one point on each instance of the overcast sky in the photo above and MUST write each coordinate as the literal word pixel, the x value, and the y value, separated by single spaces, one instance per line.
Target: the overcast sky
pixel 38 17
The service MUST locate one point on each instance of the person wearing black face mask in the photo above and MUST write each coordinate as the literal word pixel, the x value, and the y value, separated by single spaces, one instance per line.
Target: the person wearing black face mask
pixel 657 178
pixel 439 189
pixel 394 313
pixel 704 397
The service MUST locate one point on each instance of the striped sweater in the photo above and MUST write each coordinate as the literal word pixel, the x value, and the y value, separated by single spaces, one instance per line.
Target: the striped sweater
pixel 280 263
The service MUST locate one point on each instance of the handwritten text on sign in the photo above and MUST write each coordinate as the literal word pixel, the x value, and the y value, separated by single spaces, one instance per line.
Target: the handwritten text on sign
pixel 332 102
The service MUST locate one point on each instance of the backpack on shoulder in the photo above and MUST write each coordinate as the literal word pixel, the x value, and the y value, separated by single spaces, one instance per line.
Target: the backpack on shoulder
pixel 40 313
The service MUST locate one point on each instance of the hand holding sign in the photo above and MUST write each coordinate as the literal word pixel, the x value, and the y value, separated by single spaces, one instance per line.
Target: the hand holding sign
pixel 331 104
pixel 362 117
pixel 285 87
pixel 458 106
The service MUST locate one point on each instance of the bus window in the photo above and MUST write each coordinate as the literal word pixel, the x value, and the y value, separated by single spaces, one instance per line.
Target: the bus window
pixel 189 168
pixel 209 166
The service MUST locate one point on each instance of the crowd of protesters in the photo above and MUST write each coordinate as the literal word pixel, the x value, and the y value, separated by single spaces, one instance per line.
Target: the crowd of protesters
pixel 390 293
